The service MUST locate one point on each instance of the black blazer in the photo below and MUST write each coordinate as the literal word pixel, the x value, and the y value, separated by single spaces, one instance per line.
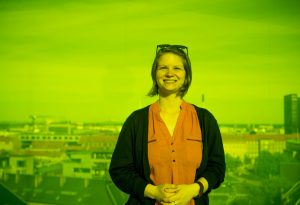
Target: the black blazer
pixel 129 167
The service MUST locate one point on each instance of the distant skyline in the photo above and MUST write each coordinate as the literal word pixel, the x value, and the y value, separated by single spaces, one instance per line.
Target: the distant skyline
pixel 91 60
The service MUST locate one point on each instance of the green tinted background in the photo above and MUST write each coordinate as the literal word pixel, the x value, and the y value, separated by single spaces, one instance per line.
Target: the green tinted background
pixel 91 60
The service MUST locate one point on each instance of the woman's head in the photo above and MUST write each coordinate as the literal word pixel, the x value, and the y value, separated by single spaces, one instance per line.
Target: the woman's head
pixel 174 52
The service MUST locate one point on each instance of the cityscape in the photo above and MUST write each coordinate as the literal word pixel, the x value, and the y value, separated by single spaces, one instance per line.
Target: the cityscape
pixel 45 161
pixel 72 71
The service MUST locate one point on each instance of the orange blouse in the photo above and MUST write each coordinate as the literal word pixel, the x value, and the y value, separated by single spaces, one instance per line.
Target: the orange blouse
pixel 174 159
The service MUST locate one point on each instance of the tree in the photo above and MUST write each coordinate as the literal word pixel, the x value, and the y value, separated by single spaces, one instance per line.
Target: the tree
pixel 232 163
pixel 266 165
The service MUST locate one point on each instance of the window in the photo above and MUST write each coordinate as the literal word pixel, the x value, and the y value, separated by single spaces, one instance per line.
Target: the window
pixel 21 163
pixel 85 170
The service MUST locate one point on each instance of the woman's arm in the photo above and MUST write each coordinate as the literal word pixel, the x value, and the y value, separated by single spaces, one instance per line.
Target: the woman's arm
pixel 214 172
pixel 122 167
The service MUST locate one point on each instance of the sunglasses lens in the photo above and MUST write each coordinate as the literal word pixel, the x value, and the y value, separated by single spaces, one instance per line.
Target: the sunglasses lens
pixel 166 46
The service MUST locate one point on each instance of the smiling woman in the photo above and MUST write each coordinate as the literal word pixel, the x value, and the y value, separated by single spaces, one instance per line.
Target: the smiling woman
pixel 171 59
pixel 170 152
pixel 170 77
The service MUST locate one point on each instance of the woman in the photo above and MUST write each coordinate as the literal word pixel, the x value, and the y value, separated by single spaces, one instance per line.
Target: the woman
pixel 170 152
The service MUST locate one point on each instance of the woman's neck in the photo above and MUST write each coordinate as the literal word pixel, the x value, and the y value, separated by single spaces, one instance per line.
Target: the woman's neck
pixel 170 104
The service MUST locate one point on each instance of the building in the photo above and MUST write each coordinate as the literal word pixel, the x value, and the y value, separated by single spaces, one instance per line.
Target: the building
pixel 251 145
pixel 289 171
pixel 9 141
pixel 21 164
pixel 298 114
pixel 21 189
pixel 291 114
pixel 87 164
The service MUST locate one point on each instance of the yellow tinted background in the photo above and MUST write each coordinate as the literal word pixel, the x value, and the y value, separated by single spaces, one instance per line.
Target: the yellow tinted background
pixel 85 60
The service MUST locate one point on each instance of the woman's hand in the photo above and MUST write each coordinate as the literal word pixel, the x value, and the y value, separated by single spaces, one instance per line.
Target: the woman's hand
pixel 161 192
pixel 182 195
pixel 165 191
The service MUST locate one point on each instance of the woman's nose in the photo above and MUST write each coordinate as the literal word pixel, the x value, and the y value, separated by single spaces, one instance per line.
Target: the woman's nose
pixel 170 72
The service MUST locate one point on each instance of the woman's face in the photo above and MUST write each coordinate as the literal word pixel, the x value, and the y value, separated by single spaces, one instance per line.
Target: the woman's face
pixel 170 74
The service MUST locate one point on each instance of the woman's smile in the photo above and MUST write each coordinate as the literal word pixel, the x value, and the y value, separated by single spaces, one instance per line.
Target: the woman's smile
pixel 170 74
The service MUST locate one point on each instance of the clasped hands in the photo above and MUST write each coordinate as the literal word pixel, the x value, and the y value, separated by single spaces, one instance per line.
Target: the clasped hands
pixel 171 194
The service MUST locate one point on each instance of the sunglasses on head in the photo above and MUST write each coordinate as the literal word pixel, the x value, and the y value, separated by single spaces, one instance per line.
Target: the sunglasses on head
pixel 165 46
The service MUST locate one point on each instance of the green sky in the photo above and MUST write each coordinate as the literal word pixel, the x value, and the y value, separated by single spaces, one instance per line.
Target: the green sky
pixel 91 60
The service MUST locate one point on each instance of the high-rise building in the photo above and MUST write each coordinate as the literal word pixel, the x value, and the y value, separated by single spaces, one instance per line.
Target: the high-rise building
pixel 298 114
pixel 291 114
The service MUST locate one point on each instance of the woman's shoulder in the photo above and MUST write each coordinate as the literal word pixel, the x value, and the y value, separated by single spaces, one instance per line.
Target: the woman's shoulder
pixel 139 114
pixel 141 111
pixel 203 113
pixel 201 110
pixel 208 122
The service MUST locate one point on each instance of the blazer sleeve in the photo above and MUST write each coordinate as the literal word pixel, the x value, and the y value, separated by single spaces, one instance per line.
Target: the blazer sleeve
pixel 122 167
pixel 214 171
